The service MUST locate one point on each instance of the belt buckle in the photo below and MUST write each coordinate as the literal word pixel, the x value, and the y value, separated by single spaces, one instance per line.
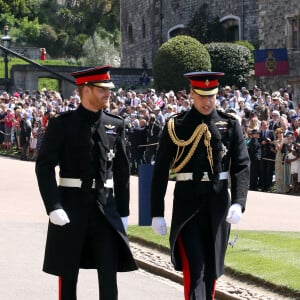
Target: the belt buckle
pixel 205 177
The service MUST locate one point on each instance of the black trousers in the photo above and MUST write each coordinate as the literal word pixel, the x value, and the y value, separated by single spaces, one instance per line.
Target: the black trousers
pixel 196 251
pixel 266 174
pixel 24 150
pixel 102 239
pixel 254 174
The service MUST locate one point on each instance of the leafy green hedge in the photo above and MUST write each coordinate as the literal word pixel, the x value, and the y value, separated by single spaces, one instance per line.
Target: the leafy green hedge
pixel 232 59
pixel 175 57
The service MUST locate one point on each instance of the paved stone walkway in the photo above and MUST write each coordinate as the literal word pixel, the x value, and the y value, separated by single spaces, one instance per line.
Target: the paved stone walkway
pixel 20 202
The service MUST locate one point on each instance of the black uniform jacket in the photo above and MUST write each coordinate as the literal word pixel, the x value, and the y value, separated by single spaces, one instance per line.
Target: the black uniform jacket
pixel 229 154
pixel 64 145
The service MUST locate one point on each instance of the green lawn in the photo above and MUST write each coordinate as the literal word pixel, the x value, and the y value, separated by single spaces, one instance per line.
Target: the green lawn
pixel 273 257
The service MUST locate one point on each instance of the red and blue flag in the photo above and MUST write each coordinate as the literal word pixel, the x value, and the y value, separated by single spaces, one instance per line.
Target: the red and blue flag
pixel 271 62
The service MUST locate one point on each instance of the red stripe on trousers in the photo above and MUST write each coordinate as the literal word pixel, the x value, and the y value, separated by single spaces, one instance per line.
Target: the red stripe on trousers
pixel 214 290
pixel 59 287
pixel 185 269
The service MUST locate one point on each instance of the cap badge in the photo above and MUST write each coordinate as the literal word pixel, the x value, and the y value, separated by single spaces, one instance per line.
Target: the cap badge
pixel 207 82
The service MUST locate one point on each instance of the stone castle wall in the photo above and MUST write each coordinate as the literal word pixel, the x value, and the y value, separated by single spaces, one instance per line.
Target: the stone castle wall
pixel 265 23
pixel 150 22
pixel 273 29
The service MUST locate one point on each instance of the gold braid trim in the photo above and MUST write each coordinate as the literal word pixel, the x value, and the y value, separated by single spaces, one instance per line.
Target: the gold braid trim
pixel 195 139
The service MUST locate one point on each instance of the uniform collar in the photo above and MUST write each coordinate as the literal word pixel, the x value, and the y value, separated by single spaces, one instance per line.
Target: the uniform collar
pixel 89 115
pixel 198 116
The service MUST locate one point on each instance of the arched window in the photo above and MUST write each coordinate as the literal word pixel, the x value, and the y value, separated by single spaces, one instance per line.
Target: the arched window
pixel 176 30
pixel 293 37
pixel 232 28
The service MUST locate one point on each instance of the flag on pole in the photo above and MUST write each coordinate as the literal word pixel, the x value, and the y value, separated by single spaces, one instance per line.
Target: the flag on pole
pixel 270 62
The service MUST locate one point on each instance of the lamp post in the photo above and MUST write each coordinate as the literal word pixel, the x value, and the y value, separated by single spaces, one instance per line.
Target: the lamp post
pixel 6 39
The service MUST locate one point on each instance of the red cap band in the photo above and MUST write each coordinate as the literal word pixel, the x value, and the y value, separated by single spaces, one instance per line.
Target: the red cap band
pixel 204 84
pixel 93 78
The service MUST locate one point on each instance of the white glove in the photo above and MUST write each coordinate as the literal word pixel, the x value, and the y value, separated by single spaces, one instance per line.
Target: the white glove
pixel 234 213
pixel 59 217
pixel 159 225
pixel 125 222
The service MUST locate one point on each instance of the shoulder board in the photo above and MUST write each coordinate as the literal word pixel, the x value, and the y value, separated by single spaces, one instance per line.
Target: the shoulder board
pixel 112 115
pixel 178 115
pixel 226 115
pixel 64 113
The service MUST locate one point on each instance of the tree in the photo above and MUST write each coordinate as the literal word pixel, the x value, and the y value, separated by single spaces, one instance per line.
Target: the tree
pixel 175 57
pixel 99 51
pixel 232 59
pixel 75 45
pixel 62 28
pixel 19 8
pixel 30 31
pixel 8 19
pixel 87 15
pixel 48 39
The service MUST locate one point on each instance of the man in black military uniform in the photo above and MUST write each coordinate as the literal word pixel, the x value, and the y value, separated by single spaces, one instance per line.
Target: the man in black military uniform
pixel 89 205
pixel 203 147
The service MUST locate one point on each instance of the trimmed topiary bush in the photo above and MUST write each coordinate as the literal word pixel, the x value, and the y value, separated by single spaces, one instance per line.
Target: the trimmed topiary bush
pixel 251 49
pixel 175 57
pixel 232 59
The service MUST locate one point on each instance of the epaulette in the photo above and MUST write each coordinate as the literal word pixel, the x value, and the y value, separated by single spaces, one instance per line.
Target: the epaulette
pixel 64 113
pixel 112 115
pixel 226 115
pixel 178 115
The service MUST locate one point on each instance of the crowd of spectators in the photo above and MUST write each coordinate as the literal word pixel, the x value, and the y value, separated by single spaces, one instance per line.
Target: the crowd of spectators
pixel 270 122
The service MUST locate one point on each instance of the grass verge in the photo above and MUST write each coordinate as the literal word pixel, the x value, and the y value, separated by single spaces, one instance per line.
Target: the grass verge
pixel 271 258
